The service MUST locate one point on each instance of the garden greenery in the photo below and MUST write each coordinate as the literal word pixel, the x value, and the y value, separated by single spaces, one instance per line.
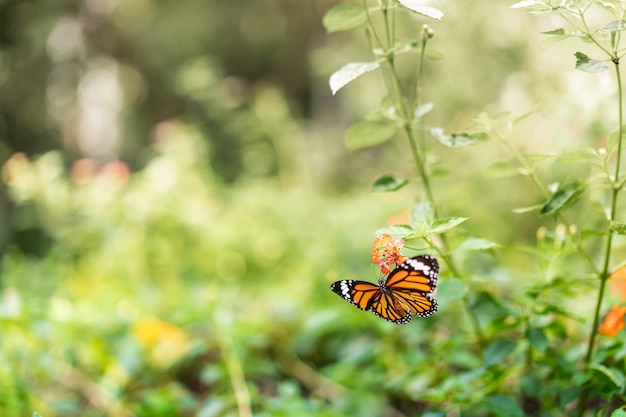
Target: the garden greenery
pixel 534 363
pixel 171 290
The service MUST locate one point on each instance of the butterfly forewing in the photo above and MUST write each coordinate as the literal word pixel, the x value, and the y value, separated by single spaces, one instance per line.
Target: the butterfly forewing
pixel 415 274
pixel 407 290
pixel 360 293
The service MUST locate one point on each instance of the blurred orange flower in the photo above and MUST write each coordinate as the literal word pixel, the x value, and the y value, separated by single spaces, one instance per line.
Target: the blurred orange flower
pixel 83 170
pixel 386 252
pixel 115 175
pixel 15 166
pixel 613 322
pixel 617 281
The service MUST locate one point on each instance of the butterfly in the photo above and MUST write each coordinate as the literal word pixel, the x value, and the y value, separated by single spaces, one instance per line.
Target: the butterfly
pixel 407 290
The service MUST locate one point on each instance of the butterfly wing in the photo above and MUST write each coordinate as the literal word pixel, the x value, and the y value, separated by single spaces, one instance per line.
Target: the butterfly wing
pixel 389 308
pixel 412 284
pixel 361 294
pixel 367 296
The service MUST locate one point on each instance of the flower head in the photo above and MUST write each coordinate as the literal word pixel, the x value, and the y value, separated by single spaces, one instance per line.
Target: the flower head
pixel 613 322
pixel 386 252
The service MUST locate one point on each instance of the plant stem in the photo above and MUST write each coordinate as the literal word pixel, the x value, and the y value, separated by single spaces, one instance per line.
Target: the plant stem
pixel 604 274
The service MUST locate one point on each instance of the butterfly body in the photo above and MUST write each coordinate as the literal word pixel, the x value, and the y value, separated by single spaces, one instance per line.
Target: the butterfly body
pixel 407 291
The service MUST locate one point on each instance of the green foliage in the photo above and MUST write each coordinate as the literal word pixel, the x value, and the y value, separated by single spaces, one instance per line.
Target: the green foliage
pixel 194 280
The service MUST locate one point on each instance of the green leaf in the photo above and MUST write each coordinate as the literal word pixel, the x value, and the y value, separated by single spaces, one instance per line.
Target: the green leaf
pixel 452 289
pixel 398 230
pixel 519 119
pixel 501 170
pixel 584 63
pixel 368 133
pixel 619 413
pixel 619 228
pixel 36 414
pixel 443 225
pixel 423 216
pixel 524 4
pixel 504 405
pixel 521 210
pixel 568 395
pixel 555 32
pixel 417 6
pixel 536 157
pixel 344 16
pixel 388 183
pixel 422 110
pixel 537 339
pixel 456 140
pixel 615 26
pixel 348 73
pixel 612 374
pixel 497 351
pixel 563 198
pixel 476 244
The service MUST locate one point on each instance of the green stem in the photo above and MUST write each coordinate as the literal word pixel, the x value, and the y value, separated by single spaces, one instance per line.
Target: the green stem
pixel 406 114
pixel 533 176
pixel 604 274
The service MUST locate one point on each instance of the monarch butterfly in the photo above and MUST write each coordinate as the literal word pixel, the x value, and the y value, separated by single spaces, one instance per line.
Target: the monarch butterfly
pixel 407 290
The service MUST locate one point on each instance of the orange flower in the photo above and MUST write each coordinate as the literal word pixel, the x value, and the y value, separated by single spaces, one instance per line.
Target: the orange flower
pixel 617 281
pixel 613 322
pixel 386 252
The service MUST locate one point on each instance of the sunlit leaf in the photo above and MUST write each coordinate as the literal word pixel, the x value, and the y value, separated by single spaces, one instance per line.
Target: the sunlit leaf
pixel 422 215
pixel 521 210
pixel 620 412
pixel 476 244
pixel 519 119
pixel 529 3
pixel 344 16
pixel 422 110
pixel 388 183
pixel 443 225
pixel 536 157
pixel 563 198
pixel 501 170
pixel 398 230
pixel 418 7
pixel 606 6
pixel 456 140
pixel 584 63
pixel 617 25
pixel 366 133
pixel 557 32
pixel 497 351
pixel 348 73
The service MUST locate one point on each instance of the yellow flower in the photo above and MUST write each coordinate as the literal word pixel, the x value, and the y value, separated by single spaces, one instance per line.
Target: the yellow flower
pixel 165 341
pixel 613 322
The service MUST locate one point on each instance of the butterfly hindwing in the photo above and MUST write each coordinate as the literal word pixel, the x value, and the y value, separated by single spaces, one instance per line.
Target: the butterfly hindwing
pixel 408 290
pixel 390 309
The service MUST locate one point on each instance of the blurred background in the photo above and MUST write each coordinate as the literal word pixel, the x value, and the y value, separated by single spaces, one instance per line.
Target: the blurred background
pixel 177 199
